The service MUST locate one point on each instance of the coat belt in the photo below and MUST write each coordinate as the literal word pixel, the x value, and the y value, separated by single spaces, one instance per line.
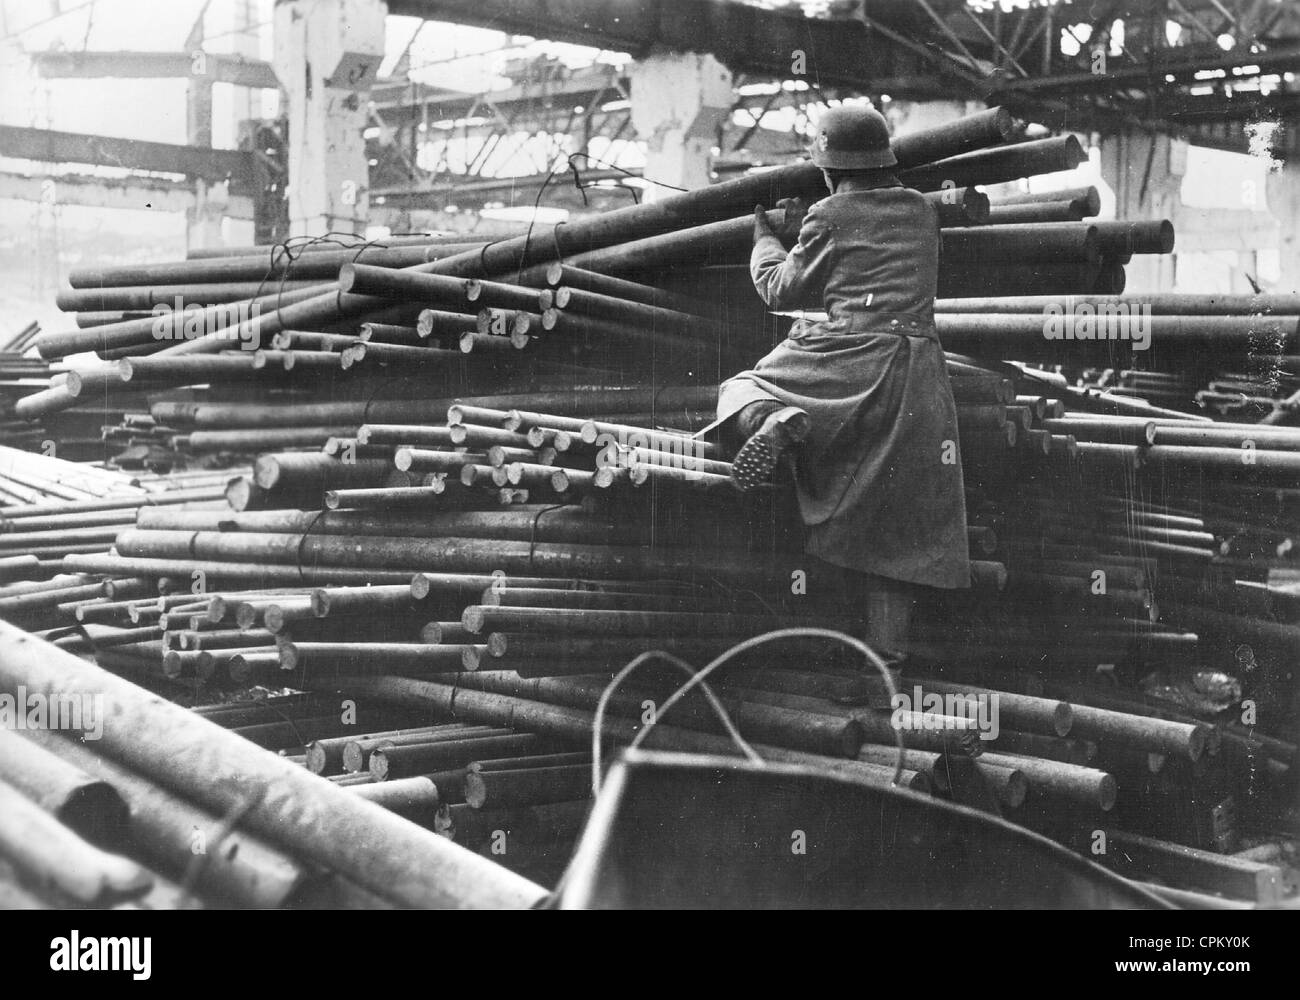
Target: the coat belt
pixel 902 324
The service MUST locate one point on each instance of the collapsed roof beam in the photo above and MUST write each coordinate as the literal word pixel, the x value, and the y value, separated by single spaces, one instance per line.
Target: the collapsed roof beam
pixel 216 67
pixel 49 146
pixel 748 39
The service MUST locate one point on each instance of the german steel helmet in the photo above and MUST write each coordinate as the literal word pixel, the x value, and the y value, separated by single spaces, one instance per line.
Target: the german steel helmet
pixel 852 137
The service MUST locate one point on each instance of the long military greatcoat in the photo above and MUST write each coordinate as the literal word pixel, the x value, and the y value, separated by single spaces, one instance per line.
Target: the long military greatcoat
pixel 879 480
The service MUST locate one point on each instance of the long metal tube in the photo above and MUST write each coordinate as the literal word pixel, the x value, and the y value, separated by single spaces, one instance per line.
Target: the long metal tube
pixel 391 762
pixel 246 871
pixel 315 472
pixel 1088 199
pixel 184 568
pixel 172 327
pixel 145 297
pixel 565 722
pixel 91 807
pixel 558 274
pixel 511 788
pixel 693 208
pixel 998 164
pixel 1160 304
pixel 306 246
pixel 276 798
pixel 1014 334
pixel 488 618
pixel 357 753
pixel 1086 785
pixel 1039 243
pixel 325 756
pixel 253 440
pixel 1037 212
pixel 967 206
pixel 577 401
pixel 257 268
pixel 595 305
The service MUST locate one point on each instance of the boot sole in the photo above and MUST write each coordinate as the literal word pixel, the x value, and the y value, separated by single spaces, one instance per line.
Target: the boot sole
pixel 759 457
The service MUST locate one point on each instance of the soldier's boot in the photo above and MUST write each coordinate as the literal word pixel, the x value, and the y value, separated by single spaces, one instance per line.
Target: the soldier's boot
pixel 782 430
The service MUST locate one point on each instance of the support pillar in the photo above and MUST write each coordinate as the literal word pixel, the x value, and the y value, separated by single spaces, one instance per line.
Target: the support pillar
pixel 327 54
pixel 203 219
pixel 680 100
pixel 1145 170
pixel 1284 204
pixel 243 25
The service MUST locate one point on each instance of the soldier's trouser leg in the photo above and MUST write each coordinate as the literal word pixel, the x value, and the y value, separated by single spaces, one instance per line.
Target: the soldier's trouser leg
pixel 883 605
pixel 888 606
pixel 746 422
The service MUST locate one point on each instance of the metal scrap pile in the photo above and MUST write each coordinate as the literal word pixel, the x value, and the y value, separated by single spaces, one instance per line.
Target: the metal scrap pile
pixel 473 496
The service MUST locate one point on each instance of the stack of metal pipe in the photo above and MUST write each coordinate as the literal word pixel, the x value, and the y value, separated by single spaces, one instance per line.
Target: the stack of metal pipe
pixel 472 493
pixel 1261 388
pixel 554 639
pixel 54 508
pixel 19 376
pixel 533 303
pixel 161 807
pixel 1230 356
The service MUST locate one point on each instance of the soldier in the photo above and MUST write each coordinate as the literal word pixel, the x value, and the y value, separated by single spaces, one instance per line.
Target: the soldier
pixel 860 400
